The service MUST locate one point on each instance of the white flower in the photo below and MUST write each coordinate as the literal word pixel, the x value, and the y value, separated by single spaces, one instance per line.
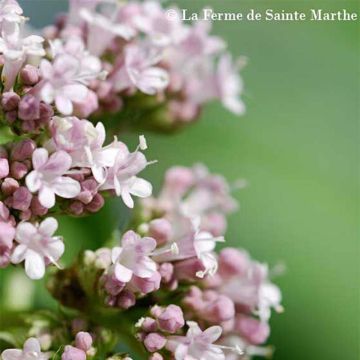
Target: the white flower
pixel 47 177
pixel 62 82
pixel 122 176
pixel 36 246
pixel 139 71
pixel 133 257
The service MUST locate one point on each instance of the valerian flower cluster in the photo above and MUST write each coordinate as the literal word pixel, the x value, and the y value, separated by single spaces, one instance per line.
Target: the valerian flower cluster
pixel 159 287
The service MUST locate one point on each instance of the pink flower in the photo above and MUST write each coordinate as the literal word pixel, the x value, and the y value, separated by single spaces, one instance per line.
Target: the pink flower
pixel 122 176
pixel 228 85
pixel 133 257
pixel 31 350
pixel 37 245
pixel 62 82
pixel 7 234
pixel 103 28
pixel 84 142
pixel 73 353
pixel 161 29
pixel 47 177
pixel 197 344
pixel 139 71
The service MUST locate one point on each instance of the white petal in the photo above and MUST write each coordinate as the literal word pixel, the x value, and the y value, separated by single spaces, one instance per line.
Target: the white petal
pixel 141 188
pixel 127 199
pixel 33 181
pixel 24 232
pixel 32 345
pixel 212 333
pixel 66 187
pixel 115 253
pixel 47 197
pixel 19 254
pixel 63 104
pixel 12 354
pixel 39 158
pixel 48 226
pixel 34 265
pixel 122 273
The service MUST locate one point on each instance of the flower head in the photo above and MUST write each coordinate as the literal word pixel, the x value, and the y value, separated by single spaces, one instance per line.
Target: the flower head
pixel 37 246
pixel 31 351
pixel 133 257
pixel 47 177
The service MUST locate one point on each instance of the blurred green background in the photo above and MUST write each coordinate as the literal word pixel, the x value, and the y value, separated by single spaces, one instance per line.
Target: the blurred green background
pixel 297 146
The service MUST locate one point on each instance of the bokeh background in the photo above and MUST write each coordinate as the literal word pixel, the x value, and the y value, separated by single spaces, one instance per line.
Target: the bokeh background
pixel 298 148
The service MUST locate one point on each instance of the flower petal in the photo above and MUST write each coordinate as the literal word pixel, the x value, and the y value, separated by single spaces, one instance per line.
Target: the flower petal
pixel 47 197
pixel 66 187
pixel 39 158
pixel 122 273
pixel 48 226
pixel 12 354
pixel 141 188
pixel 33 181
pixel 64 104
pixel 24 232
pixel 58 163
pixel 34 265
pixel 32 345
pixel 19 254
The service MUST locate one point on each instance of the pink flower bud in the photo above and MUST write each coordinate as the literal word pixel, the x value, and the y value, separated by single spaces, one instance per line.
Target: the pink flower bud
pixel 126 299
pixel 154 342
pixel 166 271
pixel 253 330
pixel 219 310
pixel 29 75
pixel 11 116
pixel 73 353
pixel 112 285
pixel 179 179
pixel 22 198
pixel 18 170
pixel 23 150
pixel 171 319
pixel 76 208
pixel 29 108
pixel 149 324
pixel 156 356
pixel 96 204
pixel 7 234
pixel 9 186
pixel 87 106
pixel 147 285
pixel 10 101
pixel 160 230
pixel 5 253
pixel 25 215
pixel 83 341
pixel 156 311
pixel 214 223
pixel 4 168
pixel 46 112
pixel 233 262
pixel 36 208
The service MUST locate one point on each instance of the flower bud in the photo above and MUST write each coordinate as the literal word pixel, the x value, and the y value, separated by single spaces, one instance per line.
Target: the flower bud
pixel 76 208
pixel 179 179
pixel 160 230
pixel 73 353
pixel 21 199
pixel 96 203
pixel 29 108
pixel 220 309
pixel 253 330
pixel 9 186
pixel 23 150
pixel 36 208
pixel 147 285
pixel 4 168
pixel 171 319
pixel 29 75
pixel 10 101
pixel 149 324
pixel 154 342
pixel 18 170
pixel 126 299
pixel 83 341
pixel 156 356
pixel 166 271
pixel 233 262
